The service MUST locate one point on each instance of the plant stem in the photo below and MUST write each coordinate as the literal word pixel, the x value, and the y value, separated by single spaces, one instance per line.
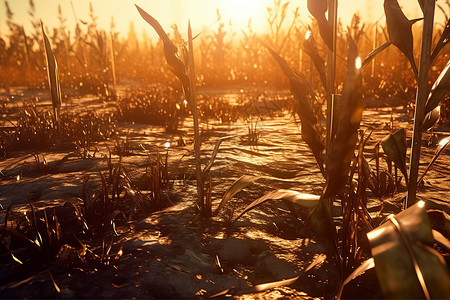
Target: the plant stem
pixel 193 100
pixel 332 18
pixel 421 98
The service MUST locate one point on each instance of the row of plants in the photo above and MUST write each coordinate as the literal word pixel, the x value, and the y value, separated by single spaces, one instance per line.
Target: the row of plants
pixel 338 148
pixel 387 241
pixel 94 59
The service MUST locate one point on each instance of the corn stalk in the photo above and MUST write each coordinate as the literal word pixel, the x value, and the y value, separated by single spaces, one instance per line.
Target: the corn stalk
pixel 421 98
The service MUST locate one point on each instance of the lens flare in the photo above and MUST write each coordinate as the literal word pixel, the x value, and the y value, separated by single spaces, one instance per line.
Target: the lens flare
pixel 308 34
pixel 358 63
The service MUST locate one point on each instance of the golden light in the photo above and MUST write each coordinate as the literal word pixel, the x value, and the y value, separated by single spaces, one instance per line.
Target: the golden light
pixel 167 145
pixel 308 34
pixel 421 203
pixel 358 63
pixel 239 12
pixel 444 141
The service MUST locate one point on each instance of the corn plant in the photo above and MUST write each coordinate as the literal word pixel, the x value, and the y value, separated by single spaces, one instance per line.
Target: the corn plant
pixel 344 116
pixel 53 80
pixel 184 70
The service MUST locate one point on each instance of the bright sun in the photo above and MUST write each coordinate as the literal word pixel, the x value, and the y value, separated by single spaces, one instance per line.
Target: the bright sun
pixel 240 11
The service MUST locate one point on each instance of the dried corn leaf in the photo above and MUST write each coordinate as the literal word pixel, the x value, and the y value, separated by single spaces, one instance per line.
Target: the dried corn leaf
pixel 300 199
pixel 348 113
pixel 364 267
pixel 52 72
pixel 394 146
pixel 236 187
pixel 170 52
pixel 304 110
pixel 400 30
pixel 440 89
pixel 442 144
pixel 443 41
pixel 310 47
pixel 407 266
pixel 318 8
pixel 374 53
pixel 431 118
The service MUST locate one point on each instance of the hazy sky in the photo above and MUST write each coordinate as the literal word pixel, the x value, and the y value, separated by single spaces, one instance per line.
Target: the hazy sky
pixel 201 13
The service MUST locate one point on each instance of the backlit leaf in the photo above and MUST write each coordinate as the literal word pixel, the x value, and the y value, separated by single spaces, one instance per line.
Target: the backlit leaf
pixel 431 118
pixel 442 144
pixel 236 187
pixel 310 47
pixel 374 53
pixel 440 89
pixel 443 41
pixel 400 30
pixel 348 112
pixel 364 267
pixel 318 8
pixel 304 110
pixel 170 52
pixel 52 72
pixel 303 200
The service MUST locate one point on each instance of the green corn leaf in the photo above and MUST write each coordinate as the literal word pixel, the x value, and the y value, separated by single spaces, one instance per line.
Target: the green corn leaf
pixel 349 113
pixel 235 188
pixel 300 199
pixel 374 53
pixel 440 89
pixel 52 72
pixel 443 41
pixel 400 30
pixel 407 266
pixel 394 146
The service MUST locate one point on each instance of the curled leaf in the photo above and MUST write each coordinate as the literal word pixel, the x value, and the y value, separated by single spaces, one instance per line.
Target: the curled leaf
pixel 442 144
pixel 374 53
pixel 394 146
pixel 304 200
pixel 407 266
pixel 236 187
pixel 443 41
pixel 431 118
pixel 364 267
pixel 400 30
pixel 170 51
pixel 440 88
pixel 318 8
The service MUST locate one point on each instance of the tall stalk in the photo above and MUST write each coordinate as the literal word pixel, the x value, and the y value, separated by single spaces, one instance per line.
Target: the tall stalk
pixel 331 72
pixel 198 166
pixel 421 98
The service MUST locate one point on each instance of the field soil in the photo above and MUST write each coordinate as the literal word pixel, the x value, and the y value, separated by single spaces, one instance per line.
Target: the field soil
pixel 174 253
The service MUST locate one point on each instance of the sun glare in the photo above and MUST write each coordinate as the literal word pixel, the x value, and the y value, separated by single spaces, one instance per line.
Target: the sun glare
pixel 239 12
